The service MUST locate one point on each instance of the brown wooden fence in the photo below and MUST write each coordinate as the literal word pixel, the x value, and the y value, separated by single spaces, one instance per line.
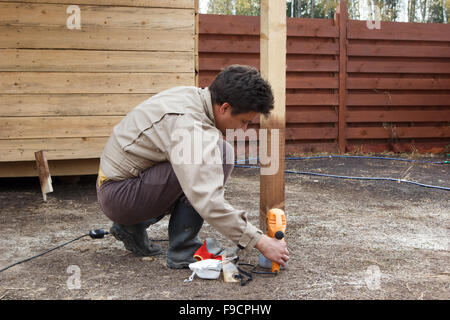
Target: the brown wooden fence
pixel 349 88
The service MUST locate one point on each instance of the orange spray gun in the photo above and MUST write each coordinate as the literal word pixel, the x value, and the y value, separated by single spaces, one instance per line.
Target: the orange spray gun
pixel 276 227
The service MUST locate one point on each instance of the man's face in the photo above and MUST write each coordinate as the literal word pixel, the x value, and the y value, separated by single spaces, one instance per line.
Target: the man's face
pixel 225 120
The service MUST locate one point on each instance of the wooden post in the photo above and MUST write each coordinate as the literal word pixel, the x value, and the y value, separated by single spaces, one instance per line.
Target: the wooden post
pixel 273 69
pixel 340 19
pixel 196 63
pixel 44 173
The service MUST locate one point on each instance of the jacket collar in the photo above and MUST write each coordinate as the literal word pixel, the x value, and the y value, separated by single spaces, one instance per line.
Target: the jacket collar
pixel 205 95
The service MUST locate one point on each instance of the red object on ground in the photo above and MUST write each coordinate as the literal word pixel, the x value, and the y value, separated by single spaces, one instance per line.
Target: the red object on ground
pixel 202 254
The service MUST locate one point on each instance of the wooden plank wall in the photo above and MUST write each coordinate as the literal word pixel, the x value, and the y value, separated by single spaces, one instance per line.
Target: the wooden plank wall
pixel 63 90
pixel 397 80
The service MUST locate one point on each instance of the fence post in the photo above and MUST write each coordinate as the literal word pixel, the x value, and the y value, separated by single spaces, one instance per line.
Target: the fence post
pixel 341 19
pixel 273 69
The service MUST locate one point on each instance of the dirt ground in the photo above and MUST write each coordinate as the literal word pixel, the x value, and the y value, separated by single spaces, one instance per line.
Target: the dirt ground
pixel 347 239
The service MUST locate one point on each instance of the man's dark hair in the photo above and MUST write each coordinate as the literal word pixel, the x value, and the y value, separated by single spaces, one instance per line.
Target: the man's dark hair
pixel 243 88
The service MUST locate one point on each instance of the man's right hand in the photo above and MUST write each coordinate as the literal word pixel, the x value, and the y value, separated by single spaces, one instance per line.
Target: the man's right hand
pixel 273 249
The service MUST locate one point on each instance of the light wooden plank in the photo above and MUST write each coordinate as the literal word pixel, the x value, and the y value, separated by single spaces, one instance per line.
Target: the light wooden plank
pixel 96 39
pixel 132 3
pixel 57 127
pixel 106 17
pixel 100 61
pixel 55 148
pixel 56 167
pixel 58 82
pixel 273 69
pixel 32 105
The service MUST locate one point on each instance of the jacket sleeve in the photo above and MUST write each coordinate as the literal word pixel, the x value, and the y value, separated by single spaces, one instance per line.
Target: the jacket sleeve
pixel 191 145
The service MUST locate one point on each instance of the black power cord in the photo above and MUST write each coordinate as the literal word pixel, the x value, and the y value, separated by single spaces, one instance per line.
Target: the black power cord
pixel 247 275
pixel 94 234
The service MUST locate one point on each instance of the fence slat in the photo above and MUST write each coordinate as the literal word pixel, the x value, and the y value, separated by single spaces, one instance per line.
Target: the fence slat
pixel 395 132
pixel 310 99
pixel 319 116
pixel 245 44
pixel 398 115
pixel 209 63
pixel 400 31
pixel 247 25
pixel 398 99
pixel 378 50
pixel 312 133
pixel 378 82
pixel 293 81
pixel 406 66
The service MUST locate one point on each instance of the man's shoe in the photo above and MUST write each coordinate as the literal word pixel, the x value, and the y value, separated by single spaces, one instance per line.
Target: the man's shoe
pixel 135 238
pixel 184 226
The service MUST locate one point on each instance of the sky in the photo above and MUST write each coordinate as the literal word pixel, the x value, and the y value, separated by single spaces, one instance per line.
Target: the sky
pixel 203 6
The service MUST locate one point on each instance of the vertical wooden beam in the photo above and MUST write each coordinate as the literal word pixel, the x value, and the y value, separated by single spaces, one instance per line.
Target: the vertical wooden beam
pixel 196 66
pixel 341 19
pixel 273 69
pixel 44 173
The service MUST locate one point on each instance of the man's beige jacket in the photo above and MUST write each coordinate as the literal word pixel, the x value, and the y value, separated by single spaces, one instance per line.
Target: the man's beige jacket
pixel 168 127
